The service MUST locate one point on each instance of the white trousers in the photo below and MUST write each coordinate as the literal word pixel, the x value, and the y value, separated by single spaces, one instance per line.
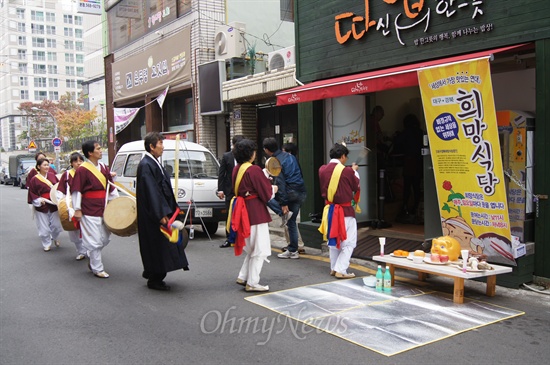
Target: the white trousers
pixel 339 258
pixel 49 227
pixel 74 236
pixel 257 249
pixel 95 236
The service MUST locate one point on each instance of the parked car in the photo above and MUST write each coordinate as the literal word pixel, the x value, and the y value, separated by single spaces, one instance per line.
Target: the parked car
pixel 3 172
pixel 22 170
pixel 23 179
pixel 197 179
pixel 17 165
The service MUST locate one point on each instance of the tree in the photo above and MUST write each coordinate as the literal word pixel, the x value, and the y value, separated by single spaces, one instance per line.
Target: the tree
pixel 41 124
pixel 74 121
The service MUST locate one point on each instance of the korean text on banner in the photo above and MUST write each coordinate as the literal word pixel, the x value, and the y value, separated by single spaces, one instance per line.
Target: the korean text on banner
pixel 464 145
pixel 123 117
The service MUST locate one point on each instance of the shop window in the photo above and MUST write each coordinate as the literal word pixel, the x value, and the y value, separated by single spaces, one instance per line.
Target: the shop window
pixel 180 112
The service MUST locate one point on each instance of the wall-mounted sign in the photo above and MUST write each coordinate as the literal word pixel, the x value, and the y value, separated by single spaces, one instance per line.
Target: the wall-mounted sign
pixel 89 7
pixel 167 62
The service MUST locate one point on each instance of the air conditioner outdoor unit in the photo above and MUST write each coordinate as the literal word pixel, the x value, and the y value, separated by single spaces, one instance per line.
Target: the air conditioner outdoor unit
pixel 229 41
pixel 281 58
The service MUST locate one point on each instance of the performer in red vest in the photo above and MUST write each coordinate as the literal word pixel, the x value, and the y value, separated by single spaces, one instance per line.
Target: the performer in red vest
pixel 249 215
pixel 64 187
pixel 340 189
pixel 33 172
pixel 90 189
pixel 46 217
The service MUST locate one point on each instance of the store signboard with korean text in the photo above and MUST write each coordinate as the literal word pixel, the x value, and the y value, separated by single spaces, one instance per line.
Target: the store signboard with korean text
pixel 345 37
pixel 167 62
pixel 463 133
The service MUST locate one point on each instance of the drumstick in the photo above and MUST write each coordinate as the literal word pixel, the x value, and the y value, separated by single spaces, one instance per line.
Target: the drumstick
pixel 122 189
pixel 362 154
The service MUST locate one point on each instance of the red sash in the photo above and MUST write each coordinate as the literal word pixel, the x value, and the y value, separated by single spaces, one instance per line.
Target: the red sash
pixel 46 195
pixel 95 194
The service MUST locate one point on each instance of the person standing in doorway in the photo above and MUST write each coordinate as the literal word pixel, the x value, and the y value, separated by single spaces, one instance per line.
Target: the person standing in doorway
pixel 291 193
pixel 92 185
pixel 339 187
pixel 156 204
pixel 381 147
pixel 409 143
pixel 225 186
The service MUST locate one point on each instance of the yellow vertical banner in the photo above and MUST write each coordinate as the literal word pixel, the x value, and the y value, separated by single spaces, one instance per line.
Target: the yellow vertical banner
pixel 463 133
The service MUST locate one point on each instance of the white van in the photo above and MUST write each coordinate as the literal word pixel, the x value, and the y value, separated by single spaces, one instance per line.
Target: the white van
pixel 197 180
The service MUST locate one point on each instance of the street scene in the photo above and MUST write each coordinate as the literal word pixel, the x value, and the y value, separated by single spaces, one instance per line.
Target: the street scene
pixel 54 311
pixel 274 182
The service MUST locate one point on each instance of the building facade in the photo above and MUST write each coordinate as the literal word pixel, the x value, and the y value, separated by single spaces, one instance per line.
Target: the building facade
pixel 353 56
pixel 179 38
pixel 43 58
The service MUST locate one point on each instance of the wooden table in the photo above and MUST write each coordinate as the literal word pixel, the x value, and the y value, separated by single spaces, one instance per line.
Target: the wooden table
pixel 449 270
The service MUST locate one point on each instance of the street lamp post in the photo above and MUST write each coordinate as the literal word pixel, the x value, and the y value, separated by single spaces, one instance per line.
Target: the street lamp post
pixel 57 166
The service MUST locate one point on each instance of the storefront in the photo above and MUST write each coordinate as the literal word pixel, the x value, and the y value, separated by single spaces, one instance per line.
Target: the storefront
pixel 356 56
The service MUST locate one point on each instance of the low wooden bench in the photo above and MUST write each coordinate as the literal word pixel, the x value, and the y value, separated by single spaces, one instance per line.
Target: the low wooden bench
pixel 449 270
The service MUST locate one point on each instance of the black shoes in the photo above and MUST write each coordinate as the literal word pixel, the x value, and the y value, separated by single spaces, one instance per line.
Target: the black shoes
pixel 227 244
pixel 155 285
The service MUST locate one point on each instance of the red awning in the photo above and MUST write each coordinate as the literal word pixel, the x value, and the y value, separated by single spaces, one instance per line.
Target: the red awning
pixel 368 82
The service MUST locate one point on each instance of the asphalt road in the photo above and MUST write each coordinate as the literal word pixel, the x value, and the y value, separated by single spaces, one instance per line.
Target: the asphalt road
pixel 54 311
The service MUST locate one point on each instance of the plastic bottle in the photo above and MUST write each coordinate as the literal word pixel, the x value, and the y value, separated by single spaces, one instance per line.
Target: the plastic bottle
pixel 387 280
pixel 192 232
pixel 379 279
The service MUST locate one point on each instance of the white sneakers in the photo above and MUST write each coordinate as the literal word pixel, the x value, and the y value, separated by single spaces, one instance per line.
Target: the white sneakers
pixel 101 274
pixel 258 288
pixel 241 282
pixel 344 276
pixel 80 257
pixel 289 255
pixel 285 218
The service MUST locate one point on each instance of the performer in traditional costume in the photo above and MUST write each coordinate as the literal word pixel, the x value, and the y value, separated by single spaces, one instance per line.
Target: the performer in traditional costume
pixel 64 187
pixel 340 188
pixel 90 189
pixel 34 171
pixel 249 215
pixel 156 204
pixel 46 217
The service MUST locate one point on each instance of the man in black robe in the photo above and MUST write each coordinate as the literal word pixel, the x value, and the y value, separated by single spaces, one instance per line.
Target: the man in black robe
pixel 155 206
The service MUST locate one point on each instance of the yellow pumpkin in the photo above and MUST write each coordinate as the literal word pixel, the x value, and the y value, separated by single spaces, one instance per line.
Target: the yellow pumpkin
pixel 446 245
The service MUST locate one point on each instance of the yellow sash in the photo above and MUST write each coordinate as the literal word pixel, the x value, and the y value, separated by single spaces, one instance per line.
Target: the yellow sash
pixel 334 180
pixel 71 172
pixel 94 170
pixel 240 175
pixel 331 191
pixel 44 180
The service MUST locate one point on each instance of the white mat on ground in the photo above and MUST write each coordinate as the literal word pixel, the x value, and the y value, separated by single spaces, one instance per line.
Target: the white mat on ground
pixel 388 323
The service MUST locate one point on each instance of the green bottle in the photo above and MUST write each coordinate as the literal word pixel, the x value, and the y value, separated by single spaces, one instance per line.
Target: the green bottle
pixel 379 279
pixel 387 280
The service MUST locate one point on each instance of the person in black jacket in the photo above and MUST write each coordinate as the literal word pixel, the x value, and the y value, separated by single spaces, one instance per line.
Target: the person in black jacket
pixel 225 186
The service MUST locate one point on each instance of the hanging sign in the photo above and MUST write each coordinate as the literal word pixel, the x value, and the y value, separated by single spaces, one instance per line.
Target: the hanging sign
pixel 463 134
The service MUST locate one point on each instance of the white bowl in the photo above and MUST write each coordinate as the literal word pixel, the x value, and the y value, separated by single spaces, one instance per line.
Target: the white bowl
pixel 370 281
pixel 418 259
